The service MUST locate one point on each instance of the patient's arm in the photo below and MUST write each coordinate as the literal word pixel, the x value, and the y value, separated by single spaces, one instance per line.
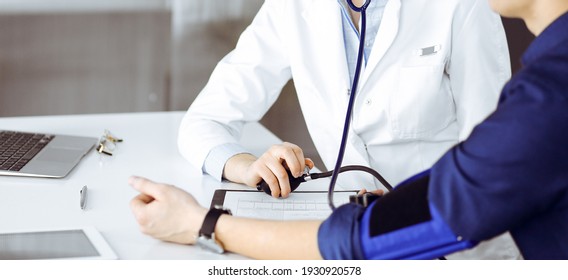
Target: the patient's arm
pixel 264 239
pixel 171 214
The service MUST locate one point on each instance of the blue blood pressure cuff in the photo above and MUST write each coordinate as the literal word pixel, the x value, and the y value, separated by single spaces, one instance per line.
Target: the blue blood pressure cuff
pixel 400 225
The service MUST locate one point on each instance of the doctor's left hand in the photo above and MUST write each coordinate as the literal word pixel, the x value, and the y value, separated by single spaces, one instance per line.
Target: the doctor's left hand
pixel 166 212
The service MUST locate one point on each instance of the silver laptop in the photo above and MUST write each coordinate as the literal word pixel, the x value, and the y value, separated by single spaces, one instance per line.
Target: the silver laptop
pixel 41 155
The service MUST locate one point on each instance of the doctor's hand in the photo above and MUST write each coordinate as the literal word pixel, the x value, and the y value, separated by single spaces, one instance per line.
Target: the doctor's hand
pixel 375 192
pixel 270 167
pixel 166 212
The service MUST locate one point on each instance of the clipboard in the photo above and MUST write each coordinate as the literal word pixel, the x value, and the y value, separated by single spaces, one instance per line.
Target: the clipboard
pixel 300 205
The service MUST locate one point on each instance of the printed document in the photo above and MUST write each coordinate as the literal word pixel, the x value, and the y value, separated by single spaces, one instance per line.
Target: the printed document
pixel 298 206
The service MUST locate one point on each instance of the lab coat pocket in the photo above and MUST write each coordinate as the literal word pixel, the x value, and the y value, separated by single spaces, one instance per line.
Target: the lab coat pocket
pixel 422 106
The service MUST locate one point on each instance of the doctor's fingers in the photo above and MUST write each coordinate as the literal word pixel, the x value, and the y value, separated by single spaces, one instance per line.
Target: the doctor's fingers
pixel 291 155
pixel 259 168
pixel 310 163
pixel 377 192
pixel 282 177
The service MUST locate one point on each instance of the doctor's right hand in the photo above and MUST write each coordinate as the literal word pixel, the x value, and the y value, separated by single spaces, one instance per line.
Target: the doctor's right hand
pixel 270 167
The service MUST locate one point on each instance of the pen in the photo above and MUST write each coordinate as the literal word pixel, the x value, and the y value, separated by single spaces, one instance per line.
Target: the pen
pixel 83 199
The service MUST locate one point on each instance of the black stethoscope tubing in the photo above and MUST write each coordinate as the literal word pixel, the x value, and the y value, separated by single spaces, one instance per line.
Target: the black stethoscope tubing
pixel 337 169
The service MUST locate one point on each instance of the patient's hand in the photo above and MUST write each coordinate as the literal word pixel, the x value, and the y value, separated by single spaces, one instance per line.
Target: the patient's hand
pixel 166 212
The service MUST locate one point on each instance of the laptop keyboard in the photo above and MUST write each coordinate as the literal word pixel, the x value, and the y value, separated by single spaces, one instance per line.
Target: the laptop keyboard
pixel 18 148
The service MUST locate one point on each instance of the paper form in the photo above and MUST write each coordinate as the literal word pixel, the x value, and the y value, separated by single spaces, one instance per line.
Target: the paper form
pixel 298 206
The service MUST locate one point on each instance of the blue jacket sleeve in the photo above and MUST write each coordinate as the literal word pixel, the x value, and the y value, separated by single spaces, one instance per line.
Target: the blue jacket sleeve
pixel 338 236
pixel 513 167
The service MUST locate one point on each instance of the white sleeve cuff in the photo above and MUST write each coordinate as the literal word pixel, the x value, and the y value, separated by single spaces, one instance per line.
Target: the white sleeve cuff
pixel 218 156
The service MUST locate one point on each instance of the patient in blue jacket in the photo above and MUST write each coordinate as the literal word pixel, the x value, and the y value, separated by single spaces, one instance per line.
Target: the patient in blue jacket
pixel 511 174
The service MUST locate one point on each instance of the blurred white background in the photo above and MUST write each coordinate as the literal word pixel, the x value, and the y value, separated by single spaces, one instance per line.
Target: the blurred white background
pixel 85 56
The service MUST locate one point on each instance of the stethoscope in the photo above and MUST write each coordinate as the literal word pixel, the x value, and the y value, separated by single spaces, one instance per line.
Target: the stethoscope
pixel 337 169
pixel 295 182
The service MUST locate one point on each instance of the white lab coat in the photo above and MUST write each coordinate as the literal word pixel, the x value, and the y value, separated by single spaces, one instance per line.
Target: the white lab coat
pixel 409 109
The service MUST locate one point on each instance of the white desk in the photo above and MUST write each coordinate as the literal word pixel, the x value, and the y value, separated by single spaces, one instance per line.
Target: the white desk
pixel 149 149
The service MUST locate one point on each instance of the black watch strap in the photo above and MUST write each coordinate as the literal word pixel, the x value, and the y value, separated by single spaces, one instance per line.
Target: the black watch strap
pixel 210 221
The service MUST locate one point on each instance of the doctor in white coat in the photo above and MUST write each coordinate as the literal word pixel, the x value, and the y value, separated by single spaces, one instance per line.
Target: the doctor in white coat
pixel 433 69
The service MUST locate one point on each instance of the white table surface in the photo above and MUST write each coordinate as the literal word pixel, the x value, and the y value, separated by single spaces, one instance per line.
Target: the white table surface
pixel 149 149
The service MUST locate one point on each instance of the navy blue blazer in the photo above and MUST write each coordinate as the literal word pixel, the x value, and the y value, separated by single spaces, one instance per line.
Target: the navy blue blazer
pixel 511 174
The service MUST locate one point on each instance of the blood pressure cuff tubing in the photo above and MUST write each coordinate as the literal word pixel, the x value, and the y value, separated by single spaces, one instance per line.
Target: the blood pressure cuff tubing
pixel 400 225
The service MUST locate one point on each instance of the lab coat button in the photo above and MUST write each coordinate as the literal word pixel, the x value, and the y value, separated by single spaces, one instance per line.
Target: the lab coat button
pixel 368 101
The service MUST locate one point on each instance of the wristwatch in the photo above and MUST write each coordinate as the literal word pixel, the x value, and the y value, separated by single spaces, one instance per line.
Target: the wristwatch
pixel 206 238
